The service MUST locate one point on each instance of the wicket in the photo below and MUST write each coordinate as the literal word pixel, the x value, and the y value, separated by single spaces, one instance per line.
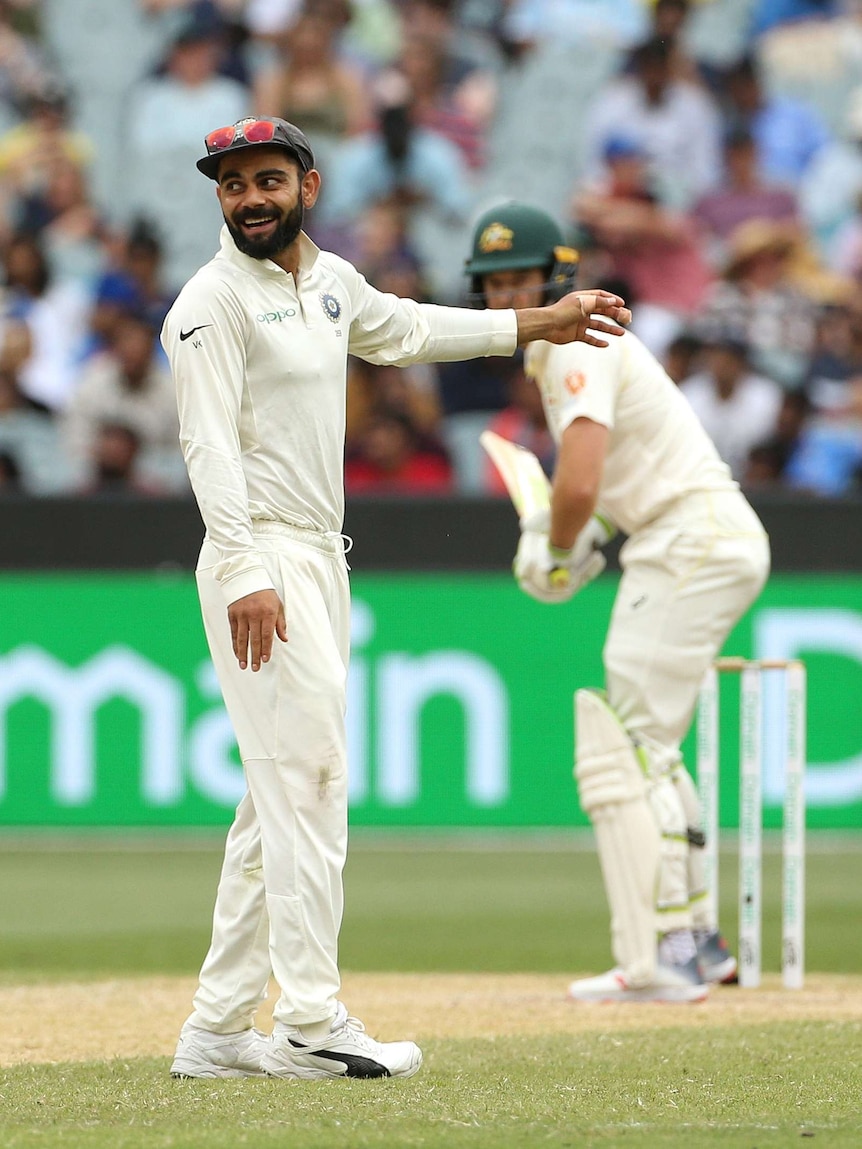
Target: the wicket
pixel 752 745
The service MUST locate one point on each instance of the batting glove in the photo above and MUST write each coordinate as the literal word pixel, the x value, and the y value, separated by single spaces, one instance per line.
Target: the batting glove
pixel 552 574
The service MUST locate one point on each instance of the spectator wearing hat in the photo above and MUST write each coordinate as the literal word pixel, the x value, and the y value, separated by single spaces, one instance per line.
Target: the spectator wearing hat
pixel 759 297
pixel 675 121
pixel 737 407
pixel 168 115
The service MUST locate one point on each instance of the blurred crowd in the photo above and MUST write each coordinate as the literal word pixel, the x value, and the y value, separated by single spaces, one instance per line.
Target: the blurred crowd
pixel 704 156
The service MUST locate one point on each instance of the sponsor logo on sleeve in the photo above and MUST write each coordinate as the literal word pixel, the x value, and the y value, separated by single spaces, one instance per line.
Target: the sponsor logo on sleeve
pixel 575 382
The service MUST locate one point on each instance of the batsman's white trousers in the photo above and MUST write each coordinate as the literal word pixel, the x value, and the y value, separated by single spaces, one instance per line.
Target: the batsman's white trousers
pixel 687 579
pixel 279 903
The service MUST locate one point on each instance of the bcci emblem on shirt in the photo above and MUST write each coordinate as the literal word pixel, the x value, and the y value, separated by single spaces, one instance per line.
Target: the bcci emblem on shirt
pixel 331 306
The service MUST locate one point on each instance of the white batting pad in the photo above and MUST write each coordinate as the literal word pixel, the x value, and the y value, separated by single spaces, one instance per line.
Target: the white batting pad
pixel 613 791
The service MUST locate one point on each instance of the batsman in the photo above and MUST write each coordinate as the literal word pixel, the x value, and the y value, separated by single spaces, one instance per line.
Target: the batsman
pixel 631 455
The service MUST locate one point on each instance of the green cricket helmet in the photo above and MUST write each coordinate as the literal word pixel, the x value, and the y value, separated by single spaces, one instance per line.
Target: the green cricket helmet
pixel 515 236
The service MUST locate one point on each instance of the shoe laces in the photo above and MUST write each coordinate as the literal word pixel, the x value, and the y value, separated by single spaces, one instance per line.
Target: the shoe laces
pixel 345 1020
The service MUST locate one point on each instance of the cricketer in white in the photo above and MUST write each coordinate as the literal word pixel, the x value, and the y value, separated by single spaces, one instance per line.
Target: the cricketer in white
pixel 258 342
pixel 631 448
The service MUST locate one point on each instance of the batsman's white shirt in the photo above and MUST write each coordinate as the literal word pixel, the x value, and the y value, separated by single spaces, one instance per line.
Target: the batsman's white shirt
pixel 260 363
pixel 260 359
pixel 658 452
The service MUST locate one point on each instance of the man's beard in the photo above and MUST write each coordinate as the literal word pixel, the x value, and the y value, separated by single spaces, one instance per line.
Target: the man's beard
pixel 267 247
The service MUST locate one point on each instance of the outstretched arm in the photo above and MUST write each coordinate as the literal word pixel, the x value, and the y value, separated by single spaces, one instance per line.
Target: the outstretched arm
pixel 574 318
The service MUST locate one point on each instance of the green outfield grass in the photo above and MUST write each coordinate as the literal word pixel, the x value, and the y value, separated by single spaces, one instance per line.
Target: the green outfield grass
pixel 90 909
pixel 654 1090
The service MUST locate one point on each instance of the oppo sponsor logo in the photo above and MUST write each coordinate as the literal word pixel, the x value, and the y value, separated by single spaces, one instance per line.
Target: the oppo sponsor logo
pixel 276 316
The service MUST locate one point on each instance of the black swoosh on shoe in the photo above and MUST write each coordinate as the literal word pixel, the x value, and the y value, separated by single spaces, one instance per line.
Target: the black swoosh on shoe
pixel 356 1066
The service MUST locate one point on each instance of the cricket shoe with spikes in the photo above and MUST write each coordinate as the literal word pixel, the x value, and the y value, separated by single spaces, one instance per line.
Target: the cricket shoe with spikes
pixel 201 1053
pixel 671 983
pixel 347 1051
pixel 717 963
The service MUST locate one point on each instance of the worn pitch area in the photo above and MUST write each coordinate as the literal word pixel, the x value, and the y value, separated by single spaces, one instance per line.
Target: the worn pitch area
pixel 140 1017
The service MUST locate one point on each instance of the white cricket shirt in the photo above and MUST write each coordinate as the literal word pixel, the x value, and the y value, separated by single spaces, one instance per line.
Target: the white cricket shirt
pixel 259 359
pixel 658 452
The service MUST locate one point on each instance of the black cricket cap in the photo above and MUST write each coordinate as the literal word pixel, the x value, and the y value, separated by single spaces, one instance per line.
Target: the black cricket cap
pixel 284 135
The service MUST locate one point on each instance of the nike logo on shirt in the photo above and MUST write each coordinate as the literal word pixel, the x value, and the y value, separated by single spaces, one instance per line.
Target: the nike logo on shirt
pixel 184 335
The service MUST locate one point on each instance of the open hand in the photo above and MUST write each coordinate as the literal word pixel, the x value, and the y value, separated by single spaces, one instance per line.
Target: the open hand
pixel 253 621
pixel 575 317
pixel 581 313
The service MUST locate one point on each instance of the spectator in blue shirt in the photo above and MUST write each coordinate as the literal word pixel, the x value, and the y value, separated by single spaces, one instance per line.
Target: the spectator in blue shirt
pixel 787 132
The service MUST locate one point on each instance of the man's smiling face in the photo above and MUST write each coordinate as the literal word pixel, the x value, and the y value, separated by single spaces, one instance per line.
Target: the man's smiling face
pixel 263 196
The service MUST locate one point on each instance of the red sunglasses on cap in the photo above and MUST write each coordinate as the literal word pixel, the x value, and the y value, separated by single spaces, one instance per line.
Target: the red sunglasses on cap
pixel 251 132
pixel 255 132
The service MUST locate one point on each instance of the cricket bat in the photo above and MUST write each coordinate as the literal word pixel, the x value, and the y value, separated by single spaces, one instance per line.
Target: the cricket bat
pixel 522 473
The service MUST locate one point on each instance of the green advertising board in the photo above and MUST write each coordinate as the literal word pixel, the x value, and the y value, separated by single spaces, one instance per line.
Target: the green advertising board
pixel 460 701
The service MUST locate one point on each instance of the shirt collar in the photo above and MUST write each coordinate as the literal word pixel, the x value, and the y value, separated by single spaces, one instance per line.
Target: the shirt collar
pixel 308 253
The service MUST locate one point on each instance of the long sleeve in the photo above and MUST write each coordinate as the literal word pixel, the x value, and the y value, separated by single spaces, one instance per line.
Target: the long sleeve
pixel 394 331
pixel 205 342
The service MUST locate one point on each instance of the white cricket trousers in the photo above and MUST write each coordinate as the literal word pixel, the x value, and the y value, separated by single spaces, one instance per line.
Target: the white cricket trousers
pixel 279 903
pixel 687 580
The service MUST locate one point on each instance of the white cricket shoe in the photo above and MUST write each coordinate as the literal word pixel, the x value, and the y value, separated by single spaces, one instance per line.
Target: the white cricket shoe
pixel 673 983
pixel 347 1051
pixel 201 1053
